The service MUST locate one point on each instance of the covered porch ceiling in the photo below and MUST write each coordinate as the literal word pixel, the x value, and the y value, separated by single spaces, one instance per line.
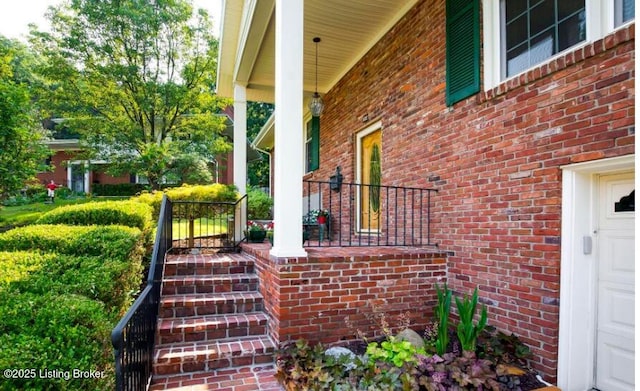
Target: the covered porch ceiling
pixel 348 29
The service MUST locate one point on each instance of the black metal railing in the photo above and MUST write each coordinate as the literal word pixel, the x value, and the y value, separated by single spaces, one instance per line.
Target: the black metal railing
pixel 367 215
pixel 133 338
pixel 202 224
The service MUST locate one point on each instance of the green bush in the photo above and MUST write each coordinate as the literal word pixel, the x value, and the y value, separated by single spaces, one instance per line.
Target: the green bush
pixel 114 282
pixel 119 189
pixel 53 331
pixel 259 205
pixel 213 193
pixel 128 213
pixel 108 242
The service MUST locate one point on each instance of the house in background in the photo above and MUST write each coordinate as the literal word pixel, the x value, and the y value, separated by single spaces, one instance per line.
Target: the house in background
pixel 80 175
pixel 519 113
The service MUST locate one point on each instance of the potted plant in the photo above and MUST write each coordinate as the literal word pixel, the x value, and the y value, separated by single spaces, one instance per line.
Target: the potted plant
pixel 255 232
pixel 318 216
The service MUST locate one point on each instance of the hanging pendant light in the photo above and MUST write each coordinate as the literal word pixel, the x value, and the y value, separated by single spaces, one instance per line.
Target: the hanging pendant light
pixel 316 105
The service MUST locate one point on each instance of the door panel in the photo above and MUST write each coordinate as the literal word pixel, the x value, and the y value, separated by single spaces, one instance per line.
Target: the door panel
pixel 616 285
pixel 370 174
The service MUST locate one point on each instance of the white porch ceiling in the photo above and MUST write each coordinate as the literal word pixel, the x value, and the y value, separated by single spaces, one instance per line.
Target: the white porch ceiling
pixel 348 29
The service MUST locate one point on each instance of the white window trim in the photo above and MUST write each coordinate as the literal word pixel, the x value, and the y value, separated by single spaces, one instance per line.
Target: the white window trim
pixel 305 162
pixel 600 22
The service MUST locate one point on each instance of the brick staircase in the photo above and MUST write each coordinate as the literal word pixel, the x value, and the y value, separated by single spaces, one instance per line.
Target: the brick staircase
pixel 212 332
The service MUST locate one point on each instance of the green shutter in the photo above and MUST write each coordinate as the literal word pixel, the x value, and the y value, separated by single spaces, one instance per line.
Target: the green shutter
pixel 463 49
pixel 315 144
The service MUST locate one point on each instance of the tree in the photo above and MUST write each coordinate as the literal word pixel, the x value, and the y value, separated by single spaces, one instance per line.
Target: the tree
pixel 136 79
pixel 21 139
pixel 257 115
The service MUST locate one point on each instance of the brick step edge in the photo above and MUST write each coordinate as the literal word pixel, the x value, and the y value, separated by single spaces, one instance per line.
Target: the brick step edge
pixel 203 265
pixel 258 377
pixel 243 282
pixel 214 355
pixel 211 327
pixel 175 306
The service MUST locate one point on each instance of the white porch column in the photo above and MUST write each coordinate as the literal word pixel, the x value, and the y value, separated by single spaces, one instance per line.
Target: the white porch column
pixel 85 185
pixel 240 138
pixel 70 175
pixel 240 153
pixel 288 164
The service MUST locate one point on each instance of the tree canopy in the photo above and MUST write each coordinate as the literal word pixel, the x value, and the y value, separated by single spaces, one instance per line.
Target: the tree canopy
pixel 21 149
pixel 136 79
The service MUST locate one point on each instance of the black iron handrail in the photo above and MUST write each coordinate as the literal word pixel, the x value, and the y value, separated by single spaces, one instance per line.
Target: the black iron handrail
pixel 208 224
pixel 133 338
pixel 368 215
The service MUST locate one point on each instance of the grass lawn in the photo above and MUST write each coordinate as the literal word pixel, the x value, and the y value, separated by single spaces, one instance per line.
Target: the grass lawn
pixel 27 214
pixel 201 227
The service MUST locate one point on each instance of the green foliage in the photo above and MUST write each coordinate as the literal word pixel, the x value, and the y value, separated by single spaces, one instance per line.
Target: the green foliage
pixel 111 281
pixel 502 348
pixel 137 80
pixel 28 214
pixel 258 171
pixel 303 367
pixel 453 372
pixel 214 193
pixel 467 331
pixel 51 330
pixel 119 189
pixel 109 242
pixel 442 315
pixel 259 204
pixel 127 213
pixel 21 146
pixel 394 352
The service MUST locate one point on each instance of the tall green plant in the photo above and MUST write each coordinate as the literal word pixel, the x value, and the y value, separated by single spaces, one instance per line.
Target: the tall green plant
pixel 442 315
pixel 467 331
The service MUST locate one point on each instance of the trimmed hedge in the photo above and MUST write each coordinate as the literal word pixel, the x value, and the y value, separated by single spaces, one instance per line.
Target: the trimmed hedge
pixel 214 193
pixel 108 242
pixel 128 213
pixel 118 189
pixel 54 331
pixel 113 282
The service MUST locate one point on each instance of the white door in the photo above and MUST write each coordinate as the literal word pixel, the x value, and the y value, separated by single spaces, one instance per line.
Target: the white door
pixel 616 265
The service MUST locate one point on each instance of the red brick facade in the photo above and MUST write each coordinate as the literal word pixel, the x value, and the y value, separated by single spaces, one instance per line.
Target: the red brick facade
pixel 330 294
pixel 495 159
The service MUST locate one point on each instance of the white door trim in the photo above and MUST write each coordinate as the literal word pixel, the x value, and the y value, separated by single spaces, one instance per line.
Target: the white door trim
pixel 576 344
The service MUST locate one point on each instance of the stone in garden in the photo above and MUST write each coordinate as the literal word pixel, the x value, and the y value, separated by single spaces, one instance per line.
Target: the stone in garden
pixel 339 351
pixel 414 338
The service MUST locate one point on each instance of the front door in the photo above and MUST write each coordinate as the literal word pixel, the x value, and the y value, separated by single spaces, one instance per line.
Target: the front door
pixel 616 265
pixel 371 179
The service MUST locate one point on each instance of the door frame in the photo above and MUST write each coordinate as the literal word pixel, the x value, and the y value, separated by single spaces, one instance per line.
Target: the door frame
pixel 578 276
pixel 358 174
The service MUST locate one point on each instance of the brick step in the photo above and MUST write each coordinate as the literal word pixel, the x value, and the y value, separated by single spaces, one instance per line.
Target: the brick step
pixel 192 265
pixel 241 282
pixel 174 306
pixel 257 377
pixel 182 358
pixel 211 327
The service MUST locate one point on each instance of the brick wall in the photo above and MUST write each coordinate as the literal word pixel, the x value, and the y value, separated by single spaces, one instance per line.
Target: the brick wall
pixel 495 157
pixel 312 297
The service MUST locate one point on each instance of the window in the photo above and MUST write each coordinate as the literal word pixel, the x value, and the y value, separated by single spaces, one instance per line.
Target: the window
pixel 312 144
pixel 535 30
pixel 521 34
pixel 625 10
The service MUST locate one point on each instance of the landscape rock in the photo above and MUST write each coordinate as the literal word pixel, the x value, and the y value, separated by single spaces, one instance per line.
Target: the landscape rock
pixel 414 338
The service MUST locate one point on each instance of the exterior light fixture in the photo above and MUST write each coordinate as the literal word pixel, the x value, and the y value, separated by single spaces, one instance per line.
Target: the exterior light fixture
pixel 316 105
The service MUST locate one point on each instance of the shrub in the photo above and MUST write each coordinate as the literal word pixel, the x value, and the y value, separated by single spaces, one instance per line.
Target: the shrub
pixel 52 331
pixel 393 351
pixel 113 282
pixel 17 266
pixel 213 193
pixel 128 213
pixel 108 242
pixel 467 331
pixel 118 189
pixel 259 205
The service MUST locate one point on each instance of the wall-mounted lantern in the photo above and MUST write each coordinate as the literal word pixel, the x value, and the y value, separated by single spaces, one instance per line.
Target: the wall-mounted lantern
pixel 335 181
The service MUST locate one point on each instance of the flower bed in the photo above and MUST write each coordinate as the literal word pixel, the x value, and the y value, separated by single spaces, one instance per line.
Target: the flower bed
pixel 470 356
